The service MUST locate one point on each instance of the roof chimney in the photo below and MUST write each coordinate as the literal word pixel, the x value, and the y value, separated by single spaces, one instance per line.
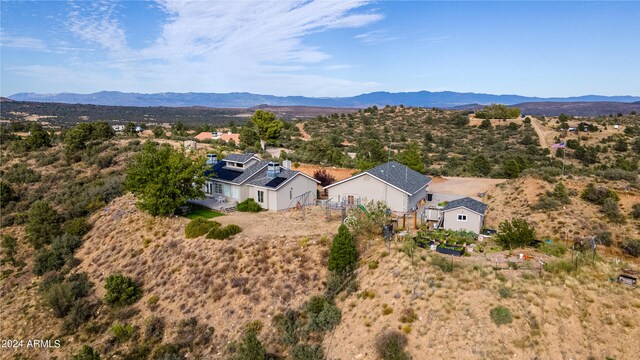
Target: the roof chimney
pixel 212 159
pixel 273 169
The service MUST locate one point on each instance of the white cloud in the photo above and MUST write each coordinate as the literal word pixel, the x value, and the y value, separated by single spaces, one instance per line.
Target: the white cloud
pixel 376 37
pixel 22 42
pixel 226 45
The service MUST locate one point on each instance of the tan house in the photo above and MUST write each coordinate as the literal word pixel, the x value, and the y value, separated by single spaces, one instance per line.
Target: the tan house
pixel 206 135
pixel 464 214
pixel 238 177
pixel 400 187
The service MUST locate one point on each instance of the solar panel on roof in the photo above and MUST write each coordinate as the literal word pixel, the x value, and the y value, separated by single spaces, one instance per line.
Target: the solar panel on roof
pixel 275 182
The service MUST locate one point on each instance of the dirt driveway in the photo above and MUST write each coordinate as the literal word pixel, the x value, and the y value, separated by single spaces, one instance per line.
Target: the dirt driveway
pixel 462 186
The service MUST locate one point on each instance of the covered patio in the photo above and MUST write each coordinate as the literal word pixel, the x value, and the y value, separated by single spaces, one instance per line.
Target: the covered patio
pixel 218 202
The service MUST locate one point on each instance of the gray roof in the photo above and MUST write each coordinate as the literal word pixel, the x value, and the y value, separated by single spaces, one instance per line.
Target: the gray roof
pixel 239 158
pixel 221 172
pixel 271 182
pixel 400 176
pixel 467 202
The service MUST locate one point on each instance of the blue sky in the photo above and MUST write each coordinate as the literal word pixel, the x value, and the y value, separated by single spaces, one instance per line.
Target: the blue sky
pixel 320 48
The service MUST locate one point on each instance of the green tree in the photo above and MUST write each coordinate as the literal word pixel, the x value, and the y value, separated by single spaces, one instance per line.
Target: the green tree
pixel 370 153
pixel 43 224
pixel 250 348
pixel 511 169
pixel 267 125
pixel 516 233
pixel 76 138
pixel 621 145
pixel 178 128
pixel 485 124
pixel 130 130
pixel 343 256
pixel 87 353
pixel 121 290
pixel 38 138
pixel 59 298
pixel 481 165
pixel 163 178
pixel 6 194
pixel 248 136
pixel 411 157
pixel 158 131
pixel 102 131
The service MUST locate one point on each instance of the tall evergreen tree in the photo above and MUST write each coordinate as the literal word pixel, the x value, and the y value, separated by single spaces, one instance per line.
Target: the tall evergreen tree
pixel 343 256
pixel 411 157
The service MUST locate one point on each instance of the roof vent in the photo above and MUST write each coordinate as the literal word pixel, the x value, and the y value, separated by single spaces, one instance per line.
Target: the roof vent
pixel 212 159
pixel 273 169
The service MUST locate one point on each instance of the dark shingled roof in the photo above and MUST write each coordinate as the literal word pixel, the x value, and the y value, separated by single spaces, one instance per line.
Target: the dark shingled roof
pixel 222 172
pixel 469 203
pixel 271 182
pixel 400 176
pixel 239 158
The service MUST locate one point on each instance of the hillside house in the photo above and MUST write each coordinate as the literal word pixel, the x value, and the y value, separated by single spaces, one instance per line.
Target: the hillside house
pixel 400 187
pixel 226 136
pixel 238 177
pixel 464 214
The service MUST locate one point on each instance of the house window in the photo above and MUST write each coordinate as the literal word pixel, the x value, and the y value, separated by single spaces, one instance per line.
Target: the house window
pixel 260 196
pixel 462 217
pixel 217 188
pixel 239 165
pixel 351 200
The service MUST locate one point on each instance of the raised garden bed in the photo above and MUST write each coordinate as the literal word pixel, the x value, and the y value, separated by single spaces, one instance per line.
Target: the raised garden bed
pixel 455 250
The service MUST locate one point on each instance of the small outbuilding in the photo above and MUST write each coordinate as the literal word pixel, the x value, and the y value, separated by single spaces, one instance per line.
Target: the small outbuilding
pixel 464 214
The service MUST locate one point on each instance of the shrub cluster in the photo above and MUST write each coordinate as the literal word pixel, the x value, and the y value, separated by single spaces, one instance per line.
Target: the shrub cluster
pixel 221 233
pixel 57 255
pixel 501 315
pixel 121 290
pixel 198 227
pixel 552 200
pixel 631 247
pixel 390 345
pixel 598 194
pixel 322 313
pixel 516 233
pixel 249 205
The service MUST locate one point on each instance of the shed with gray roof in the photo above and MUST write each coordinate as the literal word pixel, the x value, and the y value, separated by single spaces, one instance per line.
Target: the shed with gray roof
pixel 464 214
pixel 399 186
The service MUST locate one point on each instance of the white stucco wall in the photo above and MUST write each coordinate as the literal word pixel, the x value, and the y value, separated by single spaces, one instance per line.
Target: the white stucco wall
pixel 296 187
pixel 280 200
pixel 368 188
pixel 473 223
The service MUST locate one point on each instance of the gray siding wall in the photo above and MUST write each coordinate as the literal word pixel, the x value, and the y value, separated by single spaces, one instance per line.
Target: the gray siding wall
pixel 413 199
pixel 473 223
pixel 368 188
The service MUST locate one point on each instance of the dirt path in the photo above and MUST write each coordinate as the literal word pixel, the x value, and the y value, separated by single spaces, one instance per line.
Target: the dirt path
pixel 537 127
pixel 305 135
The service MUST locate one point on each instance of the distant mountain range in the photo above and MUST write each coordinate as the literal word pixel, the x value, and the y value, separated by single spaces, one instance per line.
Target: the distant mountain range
pixel 444 99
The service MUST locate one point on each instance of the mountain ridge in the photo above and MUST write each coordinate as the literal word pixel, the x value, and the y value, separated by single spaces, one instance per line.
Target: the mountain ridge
pixel 442 99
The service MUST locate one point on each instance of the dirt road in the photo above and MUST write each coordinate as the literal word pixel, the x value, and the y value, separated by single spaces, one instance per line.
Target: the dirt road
pixel 538 128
